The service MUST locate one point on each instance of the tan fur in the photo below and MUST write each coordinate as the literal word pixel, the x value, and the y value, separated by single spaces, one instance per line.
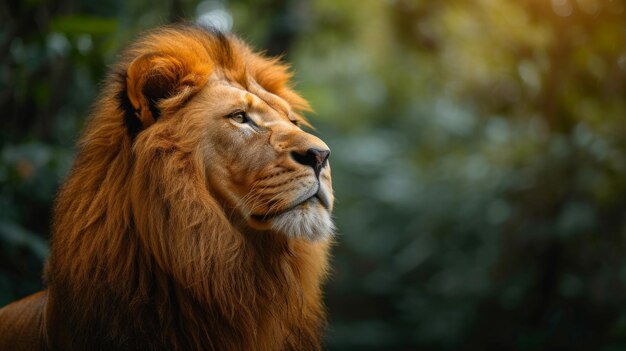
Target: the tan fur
pixel 163 235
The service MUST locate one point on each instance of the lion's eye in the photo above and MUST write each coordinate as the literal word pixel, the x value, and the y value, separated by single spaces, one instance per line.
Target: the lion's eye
pixel 240 117
pixel 295 122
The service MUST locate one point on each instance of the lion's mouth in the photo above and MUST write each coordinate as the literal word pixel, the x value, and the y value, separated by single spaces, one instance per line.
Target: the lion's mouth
pixel 321 196
pixel 269 216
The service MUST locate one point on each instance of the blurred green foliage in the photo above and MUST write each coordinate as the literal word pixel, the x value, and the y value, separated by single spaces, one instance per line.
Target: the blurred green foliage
pixel 478 155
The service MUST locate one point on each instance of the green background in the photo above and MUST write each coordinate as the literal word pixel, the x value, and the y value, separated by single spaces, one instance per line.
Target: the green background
pixel 479 155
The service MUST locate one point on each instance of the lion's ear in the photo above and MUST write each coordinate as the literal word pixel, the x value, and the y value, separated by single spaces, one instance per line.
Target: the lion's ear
pixel 159 83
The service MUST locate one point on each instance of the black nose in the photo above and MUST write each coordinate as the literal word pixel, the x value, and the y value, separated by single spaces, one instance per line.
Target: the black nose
pixel 315 158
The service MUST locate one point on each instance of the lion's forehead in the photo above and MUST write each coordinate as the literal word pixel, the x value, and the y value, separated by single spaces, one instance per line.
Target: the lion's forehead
pixel 268 108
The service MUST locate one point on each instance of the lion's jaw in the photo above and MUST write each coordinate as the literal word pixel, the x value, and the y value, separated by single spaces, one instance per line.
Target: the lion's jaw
pixel 305 221
pixel 309 219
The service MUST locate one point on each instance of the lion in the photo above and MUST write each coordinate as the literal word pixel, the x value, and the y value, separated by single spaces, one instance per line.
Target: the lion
pixel 197 214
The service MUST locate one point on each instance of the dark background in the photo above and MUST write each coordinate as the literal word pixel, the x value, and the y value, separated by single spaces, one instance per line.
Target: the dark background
pixel 479 155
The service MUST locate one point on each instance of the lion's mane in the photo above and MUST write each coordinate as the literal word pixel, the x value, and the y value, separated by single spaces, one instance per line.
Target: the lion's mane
pixel 142 256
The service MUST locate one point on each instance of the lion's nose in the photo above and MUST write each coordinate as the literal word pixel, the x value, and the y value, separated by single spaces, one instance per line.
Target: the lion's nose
pixel 315 158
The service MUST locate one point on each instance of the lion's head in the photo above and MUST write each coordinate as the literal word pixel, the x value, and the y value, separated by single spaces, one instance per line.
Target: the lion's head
pixel 197 211
pixel 242 121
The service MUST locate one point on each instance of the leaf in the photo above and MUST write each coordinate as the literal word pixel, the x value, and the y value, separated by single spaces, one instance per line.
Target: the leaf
pixel 81 24
pixel 16 235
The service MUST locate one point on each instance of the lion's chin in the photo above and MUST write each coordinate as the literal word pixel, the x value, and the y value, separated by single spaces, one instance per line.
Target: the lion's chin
pixel 309 221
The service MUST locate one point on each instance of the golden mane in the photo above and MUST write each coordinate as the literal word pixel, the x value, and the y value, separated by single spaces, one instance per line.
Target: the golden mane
pixel 142 256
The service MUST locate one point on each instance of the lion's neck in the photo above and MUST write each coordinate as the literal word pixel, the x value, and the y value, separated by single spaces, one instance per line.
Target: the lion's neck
pixel 273 299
